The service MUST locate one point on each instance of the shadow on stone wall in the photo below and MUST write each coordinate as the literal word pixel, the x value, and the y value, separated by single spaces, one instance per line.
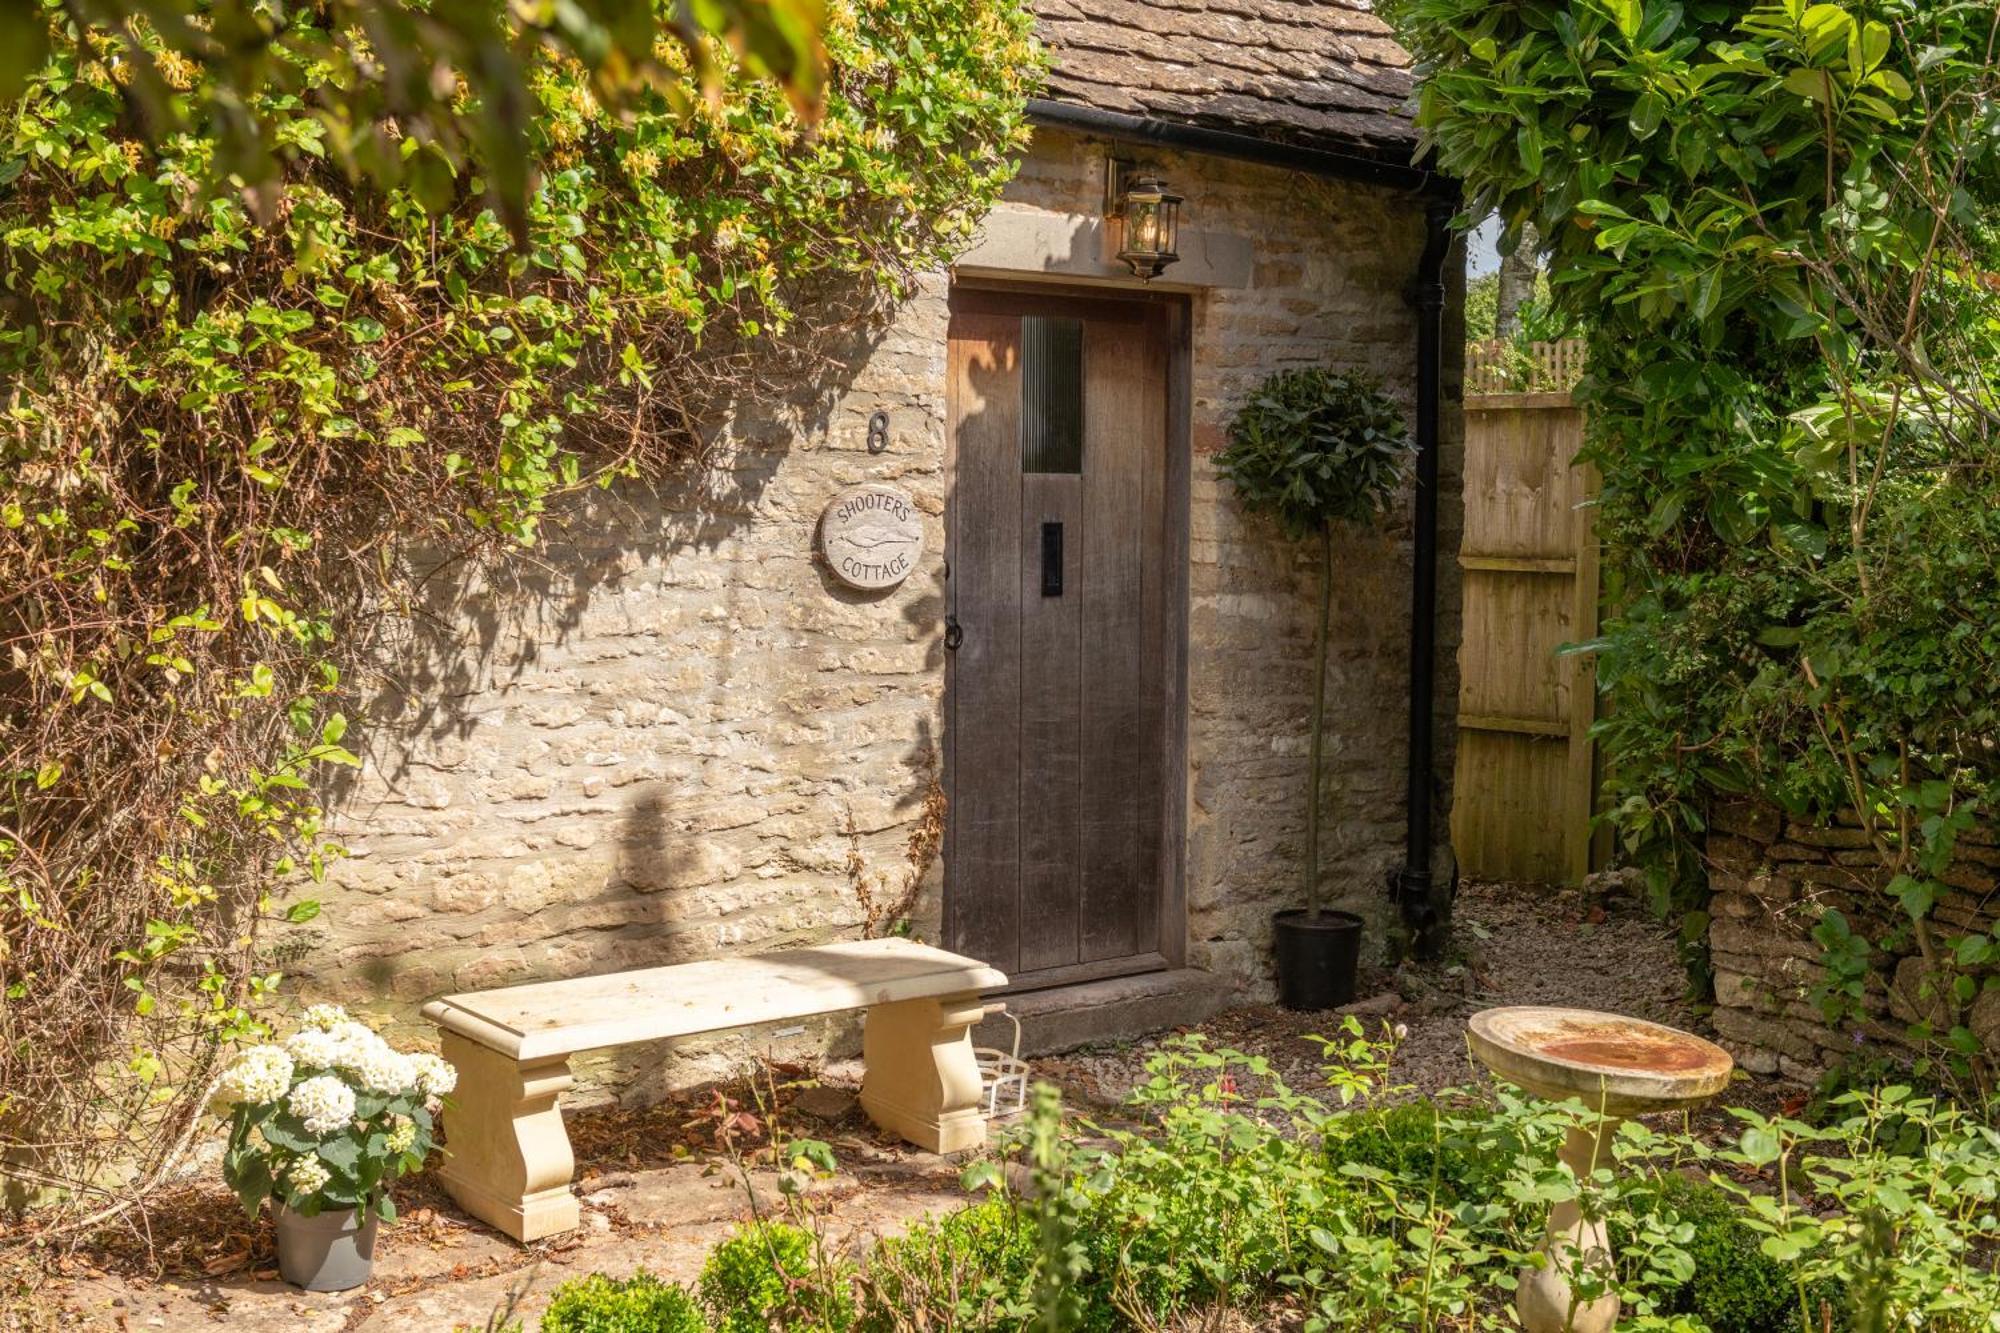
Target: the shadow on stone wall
pixel 443 644
pixel 475 679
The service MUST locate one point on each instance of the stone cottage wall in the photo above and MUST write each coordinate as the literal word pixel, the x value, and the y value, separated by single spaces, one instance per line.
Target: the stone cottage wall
pixel 1772 880
pixel 666 735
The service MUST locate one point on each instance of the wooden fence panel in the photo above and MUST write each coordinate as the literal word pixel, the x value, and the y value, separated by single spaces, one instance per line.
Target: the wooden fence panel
pixel 1526 779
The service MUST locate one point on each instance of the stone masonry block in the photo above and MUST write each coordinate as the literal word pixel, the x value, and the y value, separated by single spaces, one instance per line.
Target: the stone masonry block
pixel 1758 821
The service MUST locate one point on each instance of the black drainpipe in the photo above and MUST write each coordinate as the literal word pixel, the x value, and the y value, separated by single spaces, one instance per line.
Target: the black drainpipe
pixel 1416 894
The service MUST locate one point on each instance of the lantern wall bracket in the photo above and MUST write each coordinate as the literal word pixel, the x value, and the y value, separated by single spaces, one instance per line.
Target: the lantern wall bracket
pixel 1117 170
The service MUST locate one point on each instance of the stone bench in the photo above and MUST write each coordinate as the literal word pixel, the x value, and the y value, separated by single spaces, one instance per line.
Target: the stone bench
pixel 509 1161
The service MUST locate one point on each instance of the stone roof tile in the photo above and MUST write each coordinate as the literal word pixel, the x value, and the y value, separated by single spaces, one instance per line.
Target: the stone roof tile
pixel 1321 73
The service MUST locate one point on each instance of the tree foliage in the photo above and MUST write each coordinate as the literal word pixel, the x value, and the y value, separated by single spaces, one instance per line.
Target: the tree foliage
pixel 1315 446
pixel 1779 222
pixel 222 439
pixel 450 75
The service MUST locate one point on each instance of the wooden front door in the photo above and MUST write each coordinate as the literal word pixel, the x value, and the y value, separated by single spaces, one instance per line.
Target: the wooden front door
pixel 1055 709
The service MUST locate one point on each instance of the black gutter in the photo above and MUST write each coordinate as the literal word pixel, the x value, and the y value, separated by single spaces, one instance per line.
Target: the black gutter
pixel 1243 147
pixel 1416 895
pixel 1417 899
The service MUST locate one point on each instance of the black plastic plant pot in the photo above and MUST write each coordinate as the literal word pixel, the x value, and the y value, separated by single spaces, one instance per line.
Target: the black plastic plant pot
pixel 1317 958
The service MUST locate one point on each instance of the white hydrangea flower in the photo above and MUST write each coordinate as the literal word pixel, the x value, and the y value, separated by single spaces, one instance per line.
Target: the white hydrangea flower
pixel 325 1017
pixel 307 1176
pixel 433 1075
pixel 315 1048
pixel 354 1031
pixel 356 1043
pixel 403 1136
pixel 260 1074
pixel 324 1104
pixel 383 1070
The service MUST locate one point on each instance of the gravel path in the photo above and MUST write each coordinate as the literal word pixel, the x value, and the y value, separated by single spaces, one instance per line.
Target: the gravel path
pixel 1516 944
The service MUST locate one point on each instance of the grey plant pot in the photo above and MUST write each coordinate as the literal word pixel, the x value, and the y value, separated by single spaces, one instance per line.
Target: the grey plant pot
pixel 331 1251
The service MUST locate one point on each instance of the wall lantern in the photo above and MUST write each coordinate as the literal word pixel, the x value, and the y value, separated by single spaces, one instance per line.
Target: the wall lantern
pixel 1151 214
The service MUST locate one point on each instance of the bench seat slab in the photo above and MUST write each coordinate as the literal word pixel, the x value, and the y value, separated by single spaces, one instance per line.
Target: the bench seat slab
pixel 564 1017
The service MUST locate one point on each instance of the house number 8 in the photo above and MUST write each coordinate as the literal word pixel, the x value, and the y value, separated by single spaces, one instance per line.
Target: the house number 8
pixel 878 432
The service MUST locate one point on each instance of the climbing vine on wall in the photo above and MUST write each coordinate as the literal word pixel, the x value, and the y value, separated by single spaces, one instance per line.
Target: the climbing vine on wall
pixel 1779 222
pixel 222 438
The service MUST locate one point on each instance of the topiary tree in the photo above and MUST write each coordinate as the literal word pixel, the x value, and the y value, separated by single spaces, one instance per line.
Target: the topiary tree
pixel 1317 447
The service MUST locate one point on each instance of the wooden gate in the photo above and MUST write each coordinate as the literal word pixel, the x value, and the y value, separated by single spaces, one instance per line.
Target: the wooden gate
pixel 1526 780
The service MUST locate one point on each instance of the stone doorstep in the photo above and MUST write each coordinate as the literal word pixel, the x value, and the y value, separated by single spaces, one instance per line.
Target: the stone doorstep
pixel 1063 1018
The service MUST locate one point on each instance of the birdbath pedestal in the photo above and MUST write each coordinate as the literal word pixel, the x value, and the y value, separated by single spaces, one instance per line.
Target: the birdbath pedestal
pixel 1617 1067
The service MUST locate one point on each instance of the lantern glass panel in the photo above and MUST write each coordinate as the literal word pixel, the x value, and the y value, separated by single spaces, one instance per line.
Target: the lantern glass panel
pixel 1145 237
pixel 1167 226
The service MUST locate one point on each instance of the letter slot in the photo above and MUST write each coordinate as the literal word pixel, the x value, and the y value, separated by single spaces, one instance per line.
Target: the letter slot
pixel 1052 560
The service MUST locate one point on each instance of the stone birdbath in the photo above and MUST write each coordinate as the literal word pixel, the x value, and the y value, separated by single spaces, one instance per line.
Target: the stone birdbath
pixel 1617 1067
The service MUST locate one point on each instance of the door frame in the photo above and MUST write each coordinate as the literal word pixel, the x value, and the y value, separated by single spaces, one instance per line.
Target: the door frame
pixel 1003 296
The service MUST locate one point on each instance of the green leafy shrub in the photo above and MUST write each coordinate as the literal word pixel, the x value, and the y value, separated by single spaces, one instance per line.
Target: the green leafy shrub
pixel 1414 1141
pixel 1864 1072
pixel 1203 1205
pixel 1735 1285
pixel 773 1275
pixel 1227 1200
pixel 232 436
pixel 198 70
pixel 1418 1216
pixel 641 1303
pixel 1904 1190
pixel 1482 307
pixel 975 1268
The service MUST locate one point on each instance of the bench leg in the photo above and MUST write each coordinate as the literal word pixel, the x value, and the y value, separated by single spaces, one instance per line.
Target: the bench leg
pixel 508 1160
pixel 922 1081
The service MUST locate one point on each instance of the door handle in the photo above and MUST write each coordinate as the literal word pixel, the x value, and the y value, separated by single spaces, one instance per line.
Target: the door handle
pixel 1052 559
pixel 954 634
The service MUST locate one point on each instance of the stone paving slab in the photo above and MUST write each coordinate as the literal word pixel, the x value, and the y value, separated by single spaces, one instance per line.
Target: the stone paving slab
pixel 453 1272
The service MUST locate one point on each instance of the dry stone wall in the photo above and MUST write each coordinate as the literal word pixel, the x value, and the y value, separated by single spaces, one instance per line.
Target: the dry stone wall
pixel 670 734
pixel 1772 880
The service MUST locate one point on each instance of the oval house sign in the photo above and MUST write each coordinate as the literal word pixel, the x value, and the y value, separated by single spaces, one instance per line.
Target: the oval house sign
pixel 872 536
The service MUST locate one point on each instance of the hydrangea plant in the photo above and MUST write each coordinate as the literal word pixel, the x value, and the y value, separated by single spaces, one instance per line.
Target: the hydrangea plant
pixel 328 1117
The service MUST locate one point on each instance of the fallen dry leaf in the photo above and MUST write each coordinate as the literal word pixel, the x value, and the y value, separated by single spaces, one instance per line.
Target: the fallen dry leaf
pixel 219 1264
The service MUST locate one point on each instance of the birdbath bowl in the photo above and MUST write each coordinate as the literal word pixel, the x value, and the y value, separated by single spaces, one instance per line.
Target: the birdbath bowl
pixel 1617 1067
